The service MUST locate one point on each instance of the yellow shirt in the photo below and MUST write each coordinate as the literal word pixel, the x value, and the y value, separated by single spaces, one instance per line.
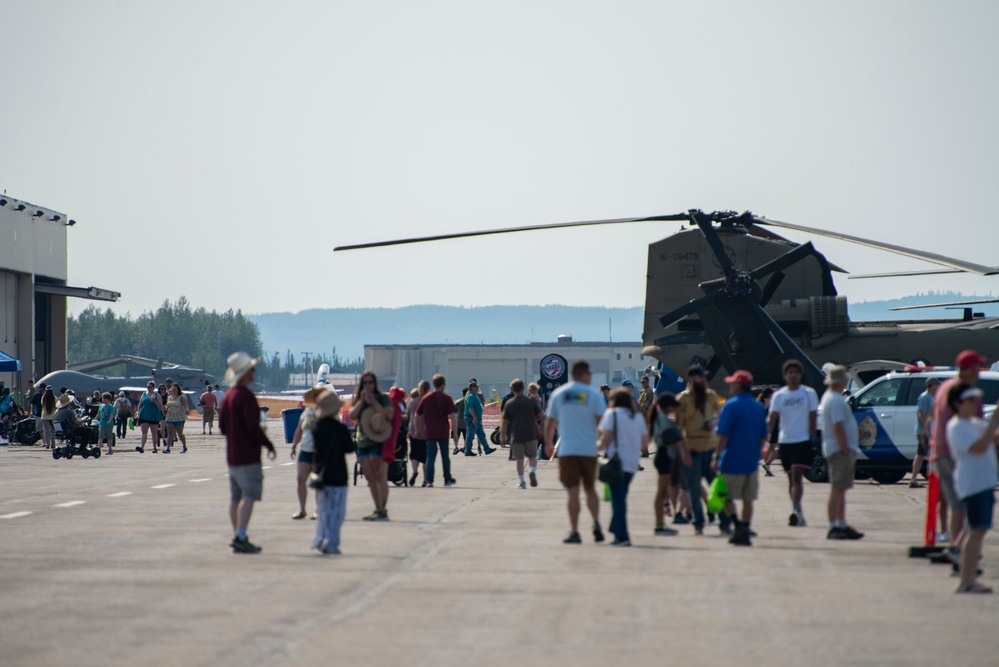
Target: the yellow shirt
pixel 698 426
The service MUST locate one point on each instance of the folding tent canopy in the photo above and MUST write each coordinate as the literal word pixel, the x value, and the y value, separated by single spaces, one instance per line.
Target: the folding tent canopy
pixel 9 364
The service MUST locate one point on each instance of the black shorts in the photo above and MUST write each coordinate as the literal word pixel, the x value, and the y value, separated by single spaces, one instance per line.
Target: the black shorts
pixel 664 461
pixel 922 447
pixel 796 455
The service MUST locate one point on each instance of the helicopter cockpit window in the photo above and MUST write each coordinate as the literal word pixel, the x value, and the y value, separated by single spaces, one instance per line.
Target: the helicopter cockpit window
pixel 882 394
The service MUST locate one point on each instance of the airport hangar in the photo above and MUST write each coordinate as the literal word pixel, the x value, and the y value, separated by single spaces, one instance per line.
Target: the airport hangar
pixel 33 287
pixel 494 366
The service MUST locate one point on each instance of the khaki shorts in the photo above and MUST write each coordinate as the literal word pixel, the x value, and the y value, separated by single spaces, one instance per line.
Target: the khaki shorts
pixel 841 469
pixel 518 450
pixel 945 471
pixel 246 481
pixel 743 487
pixel 576 470
pixel 208 416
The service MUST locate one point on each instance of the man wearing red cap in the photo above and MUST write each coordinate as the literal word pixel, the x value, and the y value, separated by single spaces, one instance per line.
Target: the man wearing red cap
pixel 968 364
pixel 742 435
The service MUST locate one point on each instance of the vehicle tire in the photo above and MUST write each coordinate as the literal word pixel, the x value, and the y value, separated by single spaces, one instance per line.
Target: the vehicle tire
pixel 494 437
pixel 819 474
pixel 888 476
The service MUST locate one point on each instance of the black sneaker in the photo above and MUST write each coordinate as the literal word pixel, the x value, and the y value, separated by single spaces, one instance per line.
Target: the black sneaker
pixel 741 539
pixel 836 533
pixel 451 482
pixel 793 519
pixel 680 519
pixel 534 479
pixel 490 451
pixel 242 545
pixel 598 535
pixel 621 542
pixel 573 538
pixel 851 533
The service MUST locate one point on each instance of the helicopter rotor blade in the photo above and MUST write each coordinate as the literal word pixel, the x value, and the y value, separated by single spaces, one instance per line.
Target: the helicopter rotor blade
pixel 934 258
pixel 771 287
pixel 784 261
pixel 690 308
pixel 946 305
pixel 703 221
pixel 677 217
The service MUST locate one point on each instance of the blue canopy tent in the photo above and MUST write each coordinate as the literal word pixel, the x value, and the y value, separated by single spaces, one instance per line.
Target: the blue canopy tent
pixel 9 364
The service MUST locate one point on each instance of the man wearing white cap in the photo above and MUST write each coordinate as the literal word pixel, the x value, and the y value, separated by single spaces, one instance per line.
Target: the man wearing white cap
pixel 239 421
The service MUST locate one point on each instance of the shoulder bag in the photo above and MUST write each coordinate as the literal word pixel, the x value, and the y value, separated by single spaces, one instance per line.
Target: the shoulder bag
pixel 610 471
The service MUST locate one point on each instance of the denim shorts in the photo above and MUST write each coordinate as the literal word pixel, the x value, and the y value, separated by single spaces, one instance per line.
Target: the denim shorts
pixel 978 509
pixel 177 425
pixel 305 457
pixel 369 452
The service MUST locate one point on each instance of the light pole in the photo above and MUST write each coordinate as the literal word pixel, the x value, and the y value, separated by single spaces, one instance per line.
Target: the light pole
pixel 307 369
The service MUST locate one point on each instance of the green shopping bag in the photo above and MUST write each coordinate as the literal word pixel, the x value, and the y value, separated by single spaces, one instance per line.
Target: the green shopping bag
pixel 717 494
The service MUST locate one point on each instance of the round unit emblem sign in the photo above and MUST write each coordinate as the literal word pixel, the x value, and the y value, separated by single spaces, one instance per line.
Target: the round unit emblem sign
pixel 554 367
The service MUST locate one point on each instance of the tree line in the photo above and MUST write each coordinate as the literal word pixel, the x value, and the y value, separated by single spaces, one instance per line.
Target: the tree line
pixel 179 334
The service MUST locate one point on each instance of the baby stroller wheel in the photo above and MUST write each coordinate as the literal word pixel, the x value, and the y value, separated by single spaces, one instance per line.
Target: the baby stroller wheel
pixel 56 453
pixel 96 453
pixel 68 453
pixel 83 452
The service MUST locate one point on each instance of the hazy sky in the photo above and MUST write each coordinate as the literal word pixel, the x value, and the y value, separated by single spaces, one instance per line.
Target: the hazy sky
pixel 220 150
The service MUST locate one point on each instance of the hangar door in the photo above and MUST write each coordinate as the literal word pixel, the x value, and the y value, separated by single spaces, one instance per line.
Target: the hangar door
pixel 491 374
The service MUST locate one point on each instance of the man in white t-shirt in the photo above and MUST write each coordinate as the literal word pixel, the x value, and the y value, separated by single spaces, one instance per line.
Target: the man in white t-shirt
pixel 840 447
pixel 795 407
pixel 575 409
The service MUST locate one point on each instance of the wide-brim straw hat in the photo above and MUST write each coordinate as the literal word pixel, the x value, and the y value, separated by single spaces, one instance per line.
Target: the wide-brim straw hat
pixel 328 404
pixel 376 426
pixel 837 375
pixel 239 364
pixel 64 400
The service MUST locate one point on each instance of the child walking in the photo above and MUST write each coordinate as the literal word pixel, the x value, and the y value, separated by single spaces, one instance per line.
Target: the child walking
pixel 332 443
pixel 105 419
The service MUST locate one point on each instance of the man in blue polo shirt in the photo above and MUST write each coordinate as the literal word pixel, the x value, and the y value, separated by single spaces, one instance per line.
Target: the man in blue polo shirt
pixel 742 436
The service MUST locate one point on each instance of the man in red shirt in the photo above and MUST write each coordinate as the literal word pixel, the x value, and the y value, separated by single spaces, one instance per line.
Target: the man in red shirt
pixel 968 364
pixel 239 421
pixel 437 417
pixel 208 403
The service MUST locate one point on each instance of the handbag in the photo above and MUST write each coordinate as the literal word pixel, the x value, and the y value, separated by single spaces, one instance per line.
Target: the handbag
pixel 717 494
pixel 610 471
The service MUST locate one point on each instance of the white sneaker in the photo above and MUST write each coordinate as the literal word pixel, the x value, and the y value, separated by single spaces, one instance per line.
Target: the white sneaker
pixel 944 537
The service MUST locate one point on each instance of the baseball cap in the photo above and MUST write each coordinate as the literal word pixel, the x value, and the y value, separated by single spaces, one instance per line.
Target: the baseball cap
pixel 604 386
pixel 970 359
pixel 745 378
pixel 931 381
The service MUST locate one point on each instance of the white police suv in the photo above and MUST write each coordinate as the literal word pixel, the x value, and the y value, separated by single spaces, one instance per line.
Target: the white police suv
pixel 885 410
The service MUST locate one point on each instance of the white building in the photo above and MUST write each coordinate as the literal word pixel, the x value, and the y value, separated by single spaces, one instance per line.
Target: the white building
pixel 33 289
pixel 494 366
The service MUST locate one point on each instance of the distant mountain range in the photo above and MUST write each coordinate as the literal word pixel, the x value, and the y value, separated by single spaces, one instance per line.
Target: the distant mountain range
pixel 348 330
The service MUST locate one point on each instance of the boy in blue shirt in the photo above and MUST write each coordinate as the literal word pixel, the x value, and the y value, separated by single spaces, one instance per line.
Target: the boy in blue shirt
pixel 105 419
pixel 742 436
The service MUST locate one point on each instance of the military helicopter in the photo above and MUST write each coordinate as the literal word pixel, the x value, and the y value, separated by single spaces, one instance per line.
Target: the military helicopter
pixel 728 292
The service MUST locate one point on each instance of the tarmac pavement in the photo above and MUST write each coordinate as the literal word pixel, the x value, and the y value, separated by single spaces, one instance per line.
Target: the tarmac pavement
pixel 125 561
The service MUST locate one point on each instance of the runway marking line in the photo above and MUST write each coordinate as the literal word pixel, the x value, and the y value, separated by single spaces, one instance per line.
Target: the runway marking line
pixel 71 503
pixel 290 463
pixel 267 467
pixel 202 479
pixel 120 494
pixel 14 515
pixel 162 486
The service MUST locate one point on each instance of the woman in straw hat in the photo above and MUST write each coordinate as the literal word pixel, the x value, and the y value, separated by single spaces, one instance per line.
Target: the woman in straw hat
pixel 371 410
pixel 332 443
